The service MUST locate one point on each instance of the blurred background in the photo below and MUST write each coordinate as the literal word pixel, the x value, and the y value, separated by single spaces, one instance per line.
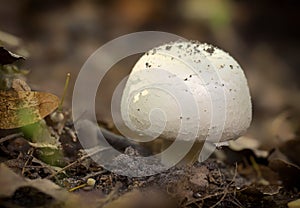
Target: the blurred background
pixel 58 36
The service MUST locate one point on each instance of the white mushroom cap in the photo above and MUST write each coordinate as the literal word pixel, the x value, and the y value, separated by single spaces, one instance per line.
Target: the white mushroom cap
pixel 167 75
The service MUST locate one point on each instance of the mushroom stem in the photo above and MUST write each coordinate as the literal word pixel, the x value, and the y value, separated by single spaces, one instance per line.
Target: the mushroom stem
pixel 190 158
pixel 160 144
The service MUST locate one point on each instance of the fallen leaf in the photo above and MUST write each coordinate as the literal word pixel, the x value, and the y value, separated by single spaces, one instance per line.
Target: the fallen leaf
pixel 245 142
pixel 146 199
pixel 294 204
pixel 199 178
pixel 10 182
pixel 19 85
pixel 288 171
pixel 290 149
pixel 269 189
pixel 7 57
pixel 21 108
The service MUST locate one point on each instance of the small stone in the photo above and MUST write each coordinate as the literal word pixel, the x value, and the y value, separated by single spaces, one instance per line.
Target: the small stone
pixel 197 195
pixel 91 182
pixel 57 117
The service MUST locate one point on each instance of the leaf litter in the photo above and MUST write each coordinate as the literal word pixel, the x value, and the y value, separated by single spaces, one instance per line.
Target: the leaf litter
pixel 43 162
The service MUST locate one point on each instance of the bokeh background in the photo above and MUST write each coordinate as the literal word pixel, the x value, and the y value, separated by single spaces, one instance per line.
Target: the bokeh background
pixel 58 36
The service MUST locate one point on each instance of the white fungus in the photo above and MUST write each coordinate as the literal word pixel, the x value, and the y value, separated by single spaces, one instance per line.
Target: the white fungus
pixel 152 98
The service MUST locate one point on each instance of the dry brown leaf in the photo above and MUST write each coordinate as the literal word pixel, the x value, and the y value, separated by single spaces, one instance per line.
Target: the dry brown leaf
pixel 20 85
pixel 11 182
pixel 7 57
pixel 291 150
pixel 246 142
pixel 287 170
pixel 294 204
pixel 146 199
pixel 199 178
pixel 20 108
pixel 269 189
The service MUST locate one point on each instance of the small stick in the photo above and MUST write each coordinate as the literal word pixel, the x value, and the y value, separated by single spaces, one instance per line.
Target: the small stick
pixel 43 165
pixel 255 167
pixel 77 187
pixel 11 136
pixel 97 150
pixel 94 174
pixel 64 92
pixel 223 193
pixel 27 161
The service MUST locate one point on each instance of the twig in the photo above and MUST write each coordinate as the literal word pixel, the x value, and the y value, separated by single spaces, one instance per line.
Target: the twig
pixel 111 196
pixel 226 188
pixel 223 193
pixel 236 202
pixel 11 136
pixel 43 165
pixel 96 150
pixel 255 167
pixel 26 163
pixel 222 198
pixel 94 174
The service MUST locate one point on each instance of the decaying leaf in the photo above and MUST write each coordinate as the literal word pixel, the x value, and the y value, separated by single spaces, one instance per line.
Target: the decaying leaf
pixel 20 85
pixel 10 182
pixel 20 108
pixel 269 190
pixel 245 142
pixel 136 198
pixel 199 178
pixel 288 171
pixel 294 204
pixel 291 149
pixel 7 57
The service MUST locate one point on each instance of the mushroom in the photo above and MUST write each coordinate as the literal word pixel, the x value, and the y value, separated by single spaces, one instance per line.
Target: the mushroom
pixel 189 91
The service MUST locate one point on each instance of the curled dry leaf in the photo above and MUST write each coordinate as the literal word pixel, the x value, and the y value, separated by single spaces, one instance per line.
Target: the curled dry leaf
pixel 7 57
pixel 247 142
pixel 20 108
